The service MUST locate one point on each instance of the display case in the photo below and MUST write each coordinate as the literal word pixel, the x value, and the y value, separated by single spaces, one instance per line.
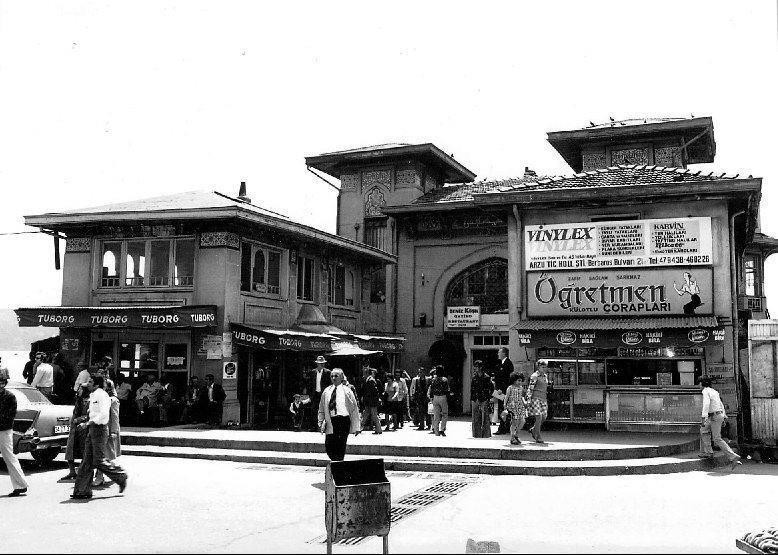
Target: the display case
pixel 559 404
pixel 561 372
pixel 636 406
pixel 589 404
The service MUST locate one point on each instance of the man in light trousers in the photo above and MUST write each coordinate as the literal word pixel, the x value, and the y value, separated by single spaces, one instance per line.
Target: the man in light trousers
pixel 438 394
pixel 7 415
pixel 713 416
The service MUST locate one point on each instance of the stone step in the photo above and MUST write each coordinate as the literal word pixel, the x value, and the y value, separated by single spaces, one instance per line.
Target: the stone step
pixel 604 467
pixel 368 445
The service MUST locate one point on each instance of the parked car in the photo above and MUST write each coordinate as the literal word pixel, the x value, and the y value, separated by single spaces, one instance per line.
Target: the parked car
pixel 41 428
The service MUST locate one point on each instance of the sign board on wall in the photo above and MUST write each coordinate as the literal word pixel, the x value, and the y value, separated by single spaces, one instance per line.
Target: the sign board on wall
pixel 631 343
pixel 463 317
pixel 621 244
pixel 230 370
pixel 655 292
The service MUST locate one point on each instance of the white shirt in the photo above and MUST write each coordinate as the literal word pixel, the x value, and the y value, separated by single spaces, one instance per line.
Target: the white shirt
pixel 82 378
pixel 210 393
pixel 99 407
pixel 44 376
pixel 340 400
pixel 711 402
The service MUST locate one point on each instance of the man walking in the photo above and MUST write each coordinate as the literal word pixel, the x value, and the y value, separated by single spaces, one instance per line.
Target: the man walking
pixel 319 380
pixel 96 439
pixel 713 416
pixel 438 394
pixel 7 415
pixel 480 394
pixel 370 401
pixel 338 416
pixel 501 382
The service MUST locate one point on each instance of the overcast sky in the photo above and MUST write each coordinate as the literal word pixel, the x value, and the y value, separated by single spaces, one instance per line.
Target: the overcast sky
pixel 110 101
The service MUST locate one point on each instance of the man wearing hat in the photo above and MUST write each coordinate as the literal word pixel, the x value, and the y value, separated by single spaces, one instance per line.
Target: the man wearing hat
pixel 318 382
pixel 7 416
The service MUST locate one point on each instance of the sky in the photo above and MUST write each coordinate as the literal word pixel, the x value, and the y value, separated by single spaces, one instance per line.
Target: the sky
pixel 108 101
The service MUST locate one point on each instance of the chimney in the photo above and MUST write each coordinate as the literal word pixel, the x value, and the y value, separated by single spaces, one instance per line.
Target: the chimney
pixel 242 193
pixel 529 173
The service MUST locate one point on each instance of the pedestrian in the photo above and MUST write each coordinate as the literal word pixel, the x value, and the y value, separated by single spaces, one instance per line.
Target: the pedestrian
pixel 82 378
pixel 537 399
pixel 338 416
pixel 77 435
pixel 319 380
pixel 481 388
pixel 370 401
pixel 407 413
pixel 44 376
pixel 123 393
pixel 515 411
pixel 7 416
pixel 502 381
pixel 61 390
pixel 438 393
pixel 396 392
pixel 298 412
pixel 96 439
pixel 29 368
pixel 113 444
pixel 713 416
pixel 194 410
pixel 418 398
pixel 106 365
pixel 215 396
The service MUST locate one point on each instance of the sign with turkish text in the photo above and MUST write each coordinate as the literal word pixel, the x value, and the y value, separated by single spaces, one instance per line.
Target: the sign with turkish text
pixel 619 244
pixel 647 292
pixel 118 317
pixel 630 343
pixel 458 317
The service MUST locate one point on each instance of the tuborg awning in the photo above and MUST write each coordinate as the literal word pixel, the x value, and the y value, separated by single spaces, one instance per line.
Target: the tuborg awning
pixel 384 343
pixel 118 316
pixel 280 339
pixel 608 333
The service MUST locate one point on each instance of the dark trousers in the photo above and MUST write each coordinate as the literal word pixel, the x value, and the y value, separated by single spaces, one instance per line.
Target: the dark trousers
pixel 215 413
pixel 94 457
pixel 335 443
pixel 505 426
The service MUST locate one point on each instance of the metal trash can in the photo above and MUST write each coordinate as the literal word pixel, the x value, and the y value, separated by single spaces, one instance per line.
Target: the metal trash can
pixel 358 501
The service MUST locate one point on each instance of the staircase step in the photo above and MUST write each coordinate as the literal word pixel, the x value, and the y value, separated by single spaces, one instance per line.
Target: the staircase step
pixel 605 467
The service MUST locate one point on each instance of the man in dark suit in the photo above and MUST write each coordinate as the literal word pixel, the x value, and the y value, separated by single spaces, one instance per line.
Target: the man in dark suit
pixel 501 382
pixel 319 379
pixel 213 398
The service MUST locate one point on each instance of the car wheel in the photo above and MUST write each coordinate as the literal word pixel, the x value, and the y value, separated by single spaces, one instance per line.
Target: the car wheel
pixel 45 456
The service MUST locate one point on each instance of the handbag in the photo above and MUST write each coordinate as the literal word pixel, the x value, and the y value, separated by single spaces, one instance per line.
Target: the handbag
pixel 430 408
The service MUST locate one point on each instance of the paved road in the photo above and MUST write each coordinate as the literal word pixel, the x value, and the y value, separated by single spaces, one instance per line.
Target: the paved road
pixel 211 506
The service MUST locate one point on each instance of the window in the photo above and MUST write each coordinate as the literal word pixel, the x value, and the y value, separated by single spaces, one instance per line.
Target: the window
pixel 260 269
pixel 112 254
pixel 148 263
pixel 375 233
pixel 751 277
pixel 349 295
pixel 305 278
pixel 484 284
pixel 341 285
pixel 378 285
pixel 138 356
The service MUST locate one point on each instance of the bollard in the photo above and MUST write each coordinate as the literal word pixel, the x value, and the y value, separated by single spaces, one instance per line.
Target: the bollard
pixel 357 501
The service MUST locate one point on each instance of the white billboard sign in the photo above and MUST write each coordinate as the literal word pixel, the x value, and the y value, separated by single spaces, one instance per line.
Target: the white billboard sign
pixel 618 244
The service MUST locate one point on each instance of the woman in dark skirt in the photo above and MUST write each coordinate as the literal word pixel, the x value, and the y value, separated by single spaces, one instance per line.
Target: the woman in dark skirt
pixel 75 446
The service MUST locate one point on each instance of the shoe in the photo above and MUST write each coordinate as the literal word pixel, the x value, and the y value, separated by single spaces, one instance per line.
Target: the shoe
pixel 68 478
pixel 122 485
pixel 376 433
pixel 704 456
pixel 18 492
pixel 443 434
pixel 433 432
pixel 81 496
pixel 515 441
pixel 99 484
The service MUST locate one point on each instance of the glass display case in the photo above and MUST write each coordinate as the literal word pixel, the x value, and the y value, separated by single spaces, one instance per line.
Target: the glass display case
pixel 589 404
pixel 561 372
pixel 559 404
pixel 591 372
pixel 681 407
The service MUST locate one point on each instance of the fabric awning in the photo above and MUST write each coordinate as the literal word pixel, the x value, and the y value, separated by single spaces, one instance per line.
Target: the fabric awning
pixel 605 333
pixel 118 316
pixel 280 339
pixel 347 348
pixel 385 343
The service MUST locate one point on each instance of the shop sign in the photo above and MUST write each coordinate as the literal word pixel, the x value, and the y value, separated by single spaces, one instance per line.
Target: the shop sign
pixel 620 244
pixel 250 337
pixel 621 292
pixel 211 347
pixel 230 370
pixel 463 317
pixel 119 317
pixel 718 371
pixel 226 344
pixel 635 343
pixel 70 344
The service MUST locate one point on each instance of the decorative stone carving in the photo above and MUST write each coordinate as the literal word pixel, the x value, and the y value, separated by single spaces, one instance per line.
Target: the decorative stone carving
pixel 407 179
pixel 629 156
pixel 667 156
pixel 78 244
pixel 381 177
pixel 219 239
pixel 374 202
pixel 593 160
pixel 349 182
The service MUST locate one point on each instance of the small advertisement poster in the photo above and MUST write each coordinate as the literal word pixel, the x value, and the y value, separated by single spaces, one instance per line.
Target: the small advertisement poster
pixel 647 292
pixel 463 317
pixel 619 244
pixel 230 370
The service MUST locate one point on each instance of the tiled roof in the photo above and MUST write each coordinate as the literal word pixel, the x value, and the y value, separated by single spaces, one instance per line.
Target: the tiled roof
pixel 384 146
pixel 619 323
pixel 465 191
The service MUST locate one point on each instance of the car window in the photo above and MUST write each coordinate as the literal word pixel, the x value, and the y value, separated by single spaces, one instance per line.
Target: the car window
pixel 27 396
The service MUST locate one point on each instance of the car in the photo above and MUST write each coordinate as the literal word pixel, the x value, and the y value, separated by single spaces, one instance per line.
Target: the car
pixel 40 428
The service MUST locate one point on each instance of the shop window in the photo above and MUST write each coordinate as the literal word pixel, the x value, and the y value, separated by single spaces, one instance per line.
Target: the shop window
pixel 112 254
pixel 176 358
pixel 653 372
pixel 160 263
pixel 101 349
pixel 589 404
pixel 629 407
pixel 305 278
pixel 139 356
pixel 484 284
pixel 260 269
pixel 751 275
pixel 378 285
pixel 478 340
pixel 559 404
pixel 561 372
pixel 591 372
pixel 183 271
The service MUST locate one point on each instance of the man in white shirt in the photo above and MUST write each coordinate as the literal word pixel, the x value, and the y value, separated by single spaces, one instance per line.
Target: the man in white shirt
pixel 713 416
pixel 146 396
pixel 94 446
pixel 44 377
pixel 338 416
pixel 82 378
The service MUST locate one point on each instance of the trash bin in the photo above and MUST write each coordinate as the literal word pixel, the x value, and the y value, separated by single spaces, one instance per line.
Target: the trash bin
pixel 358 501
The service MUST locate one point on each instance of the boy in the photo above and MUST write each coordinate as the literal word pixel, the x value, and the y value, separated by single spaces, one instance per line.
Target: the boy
pixel 297 408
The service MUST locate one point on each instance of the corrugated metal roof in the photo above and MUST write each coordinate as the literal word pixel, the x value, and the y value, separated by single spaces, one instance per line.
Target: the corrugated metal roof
pixel 619 323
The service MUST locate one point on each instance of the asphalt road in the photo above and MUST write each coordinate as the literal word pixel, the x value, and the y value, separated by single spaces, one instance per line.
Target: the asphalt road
pixel 210 506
